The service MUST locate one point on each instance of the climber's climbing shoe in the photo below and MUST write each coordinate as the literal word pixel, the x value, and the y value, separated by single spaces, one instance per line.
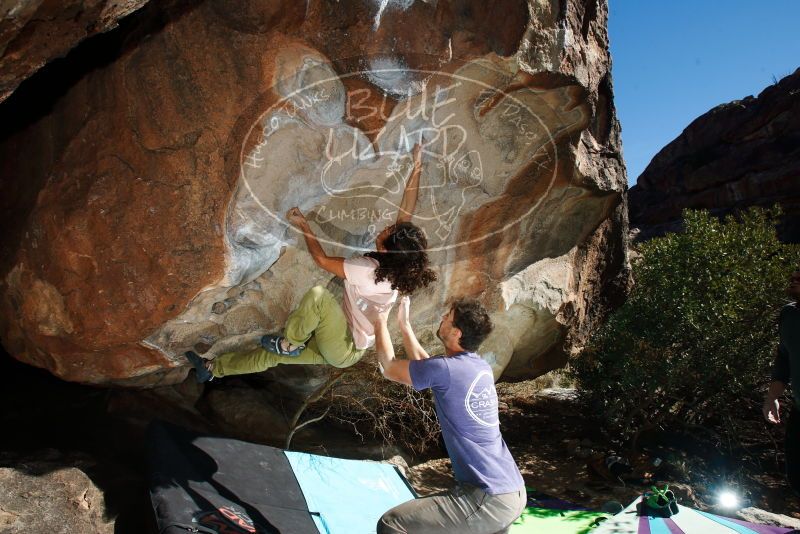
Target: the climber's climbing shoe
pixel 201 372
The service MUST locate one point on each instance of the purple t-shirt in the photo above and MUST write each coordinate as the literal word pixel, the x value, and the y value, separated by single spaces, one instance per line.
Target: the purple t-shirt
pixel 466 405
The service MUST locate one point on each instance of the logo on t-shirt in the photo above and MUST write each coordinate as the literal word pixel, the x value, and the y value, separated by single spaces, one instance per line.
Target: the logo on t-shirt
pixel 481 400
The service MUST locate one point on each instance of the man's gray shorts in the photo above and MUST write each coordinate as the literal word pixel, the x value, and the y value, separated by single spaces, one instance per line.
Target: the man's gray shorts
pixel 464 508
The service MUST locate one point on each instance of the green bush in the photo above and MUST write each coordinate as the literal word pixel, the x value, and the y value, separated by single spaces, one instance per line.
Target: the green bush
pixel 699 329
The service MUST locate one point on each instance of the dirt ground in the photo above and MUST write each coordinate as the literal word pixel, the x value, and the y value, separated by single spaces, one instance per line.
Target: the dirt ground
pixel 548 432
pixel 554 442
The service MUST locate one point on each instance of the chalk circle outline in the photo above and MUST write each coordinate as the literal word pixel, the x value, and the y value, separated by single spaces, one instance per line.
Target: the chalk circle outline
pixel 446 248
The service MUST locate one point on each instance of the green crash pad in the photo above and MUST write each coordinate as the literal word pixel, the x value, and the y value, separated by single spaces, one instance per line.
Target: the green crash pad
pixel 545 513
pixel 538 520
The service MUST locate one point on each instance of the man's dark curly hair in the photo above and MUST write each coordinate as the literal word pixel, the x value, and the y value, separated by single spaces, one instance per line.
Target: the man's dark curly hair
pixel 405 262
pixel 473 320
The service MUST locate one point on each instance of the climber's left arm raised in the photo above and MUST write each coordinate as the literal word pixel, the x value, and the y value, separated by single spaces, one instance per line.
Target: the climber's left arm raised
pixel 332 264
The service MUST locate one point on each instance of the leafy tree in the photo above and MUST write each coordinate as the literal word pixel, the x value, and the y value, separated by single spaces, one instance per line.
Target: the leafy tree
pixel 699 329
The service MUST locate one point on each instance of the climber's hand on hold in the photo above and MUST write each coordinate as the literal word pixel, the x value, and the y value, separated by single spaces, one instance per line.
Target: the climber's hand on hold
pixel 296 218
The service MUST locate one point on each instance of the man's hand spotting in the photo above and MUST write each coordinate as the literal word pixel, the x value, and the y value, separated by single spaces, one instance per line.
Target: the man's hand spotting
pixel 382 317
pixel 404 312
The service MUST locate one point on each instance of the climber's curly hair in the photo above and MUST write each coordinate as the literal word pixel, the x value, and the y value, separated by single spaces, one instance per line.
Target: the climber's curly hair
pixel 405 262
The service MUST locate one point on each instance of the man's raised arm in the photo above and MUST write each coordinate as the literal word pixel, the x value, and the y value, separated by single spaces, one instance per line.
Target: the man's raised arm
pixel 414 350
pixel 392 368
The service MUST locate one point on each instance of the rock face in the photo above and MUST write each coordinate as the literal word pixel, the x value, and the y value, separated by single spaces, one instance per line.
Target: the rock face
pixel 740 154
pixel 32 33
pixel 46 498
pixel 763 517
pixel 147 204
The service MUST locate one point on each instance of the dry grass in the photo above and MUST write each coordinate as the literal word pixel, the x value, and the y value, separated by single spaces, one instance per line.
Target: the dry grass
pixel 373 407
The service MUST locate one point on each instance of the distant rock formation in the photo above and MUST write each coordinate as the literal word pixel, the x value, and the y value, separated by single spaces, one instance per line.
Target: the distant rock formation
pixel 146 204
pixel 740 154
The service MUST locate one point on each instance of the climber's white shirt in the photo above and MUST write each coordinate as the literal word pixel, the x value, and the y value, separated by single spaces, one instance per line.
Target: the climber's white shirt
pixel 363 298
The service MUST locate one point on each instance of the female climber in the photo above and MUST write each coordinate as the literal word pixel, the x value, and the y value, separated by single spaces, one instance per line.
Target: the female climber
pixel 321 330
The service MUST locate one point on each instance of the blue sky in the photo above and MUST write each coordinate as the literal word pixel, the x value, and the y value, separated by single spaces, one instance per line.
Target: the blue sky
pixel 675 60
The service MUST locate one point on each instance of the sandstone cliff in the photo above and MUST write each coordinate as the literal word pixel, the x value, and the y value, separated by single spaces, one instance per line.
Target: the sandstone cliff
pixel 144 192
pixel 740 154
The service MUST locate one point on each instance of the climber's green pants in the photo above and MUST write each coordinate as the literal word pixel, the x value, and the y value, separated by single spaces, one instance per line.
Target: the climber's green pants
pixel 319 317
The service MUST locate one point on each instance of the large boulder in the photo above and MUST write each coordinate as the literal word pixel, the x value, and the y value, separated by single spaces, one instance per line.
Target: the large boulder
pixel 146 206
pixel 41 496
pixel 35 32
pixel 740 154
